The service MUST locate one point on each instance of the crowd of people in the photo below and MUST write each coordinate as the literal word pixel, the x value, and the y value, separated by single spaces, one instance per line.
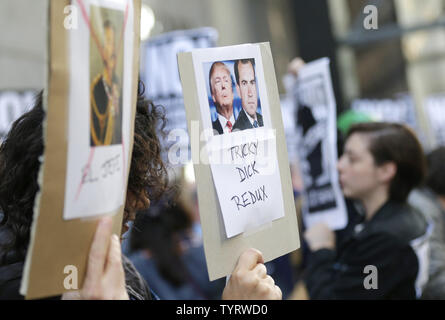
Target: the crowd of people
pixel 396 206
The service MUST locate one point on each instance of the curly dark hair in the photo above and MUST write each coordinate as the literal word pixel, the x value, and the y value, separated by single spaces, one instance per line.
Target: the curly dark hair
pixel 20 155
pixel 19 167
pixel 148 172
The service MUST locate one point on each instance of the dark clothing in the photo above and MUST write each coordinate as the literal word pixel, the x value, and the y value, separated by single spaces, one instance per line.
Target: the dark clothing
pixel 100 100
pixel 196 285
pixel 136 286
pixel 242 122
pixel 11 268
pixel 11 275
pixel 384 242
pixel 217 126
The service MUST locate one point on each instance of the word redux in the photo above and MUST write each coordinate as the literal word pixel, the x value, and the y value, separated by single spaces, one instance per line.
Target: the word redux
pixel 248 198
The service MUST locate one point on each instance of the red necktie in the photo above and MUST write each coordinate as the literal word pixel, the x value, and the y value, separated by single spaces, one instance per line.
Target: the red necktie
pixel 229 125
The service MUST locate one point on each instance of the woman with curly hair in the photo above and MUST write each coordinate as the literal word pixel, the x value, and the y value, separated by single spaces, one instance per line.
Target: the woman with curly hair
pixel 109 275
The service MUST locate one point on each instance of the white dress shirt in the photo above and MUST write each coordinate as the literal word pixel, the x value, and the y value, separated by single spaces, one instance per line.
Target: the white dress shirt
pixel 223 122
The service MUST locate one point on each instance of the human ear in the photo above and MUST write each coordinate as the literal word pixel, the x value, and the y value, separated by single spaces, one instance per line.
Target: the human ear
pixel 387 171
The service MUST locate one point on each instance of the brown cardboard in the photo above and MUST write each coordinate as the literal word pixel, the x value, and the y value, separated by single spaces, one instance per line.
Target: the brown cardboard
pixel 55 242
pixel 274 240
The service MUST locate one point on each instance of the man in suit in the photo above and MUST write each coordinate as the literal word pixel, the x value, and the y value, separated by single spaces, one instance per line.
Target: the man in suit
pixel 106 98
pixel 220 82
pixel 246 88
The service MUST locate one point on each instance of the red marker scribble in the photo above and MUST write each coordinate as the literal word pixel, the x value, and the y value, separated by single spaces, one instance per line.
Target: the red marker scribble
pixel 85 172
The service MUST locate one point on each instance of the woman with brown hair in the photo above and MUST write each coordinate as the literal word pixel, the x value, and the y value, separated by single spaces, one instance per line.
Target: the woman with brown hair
pixel 381 164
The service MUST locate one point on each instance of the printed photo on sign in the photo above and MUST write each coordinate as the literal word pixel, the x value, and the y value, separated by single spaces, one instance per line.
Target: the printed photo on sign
pixel 232 92
pixel 100 93
pixel 233 95
pixel 106 62
pixel 241 147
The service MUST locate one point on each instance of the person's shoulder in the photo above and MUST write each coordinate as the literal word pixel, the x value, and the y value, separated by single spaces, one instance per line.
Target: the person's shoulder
pixel 216 125
pixel 241 122
pixel 426 202
pixel 407 223
pixel 400 221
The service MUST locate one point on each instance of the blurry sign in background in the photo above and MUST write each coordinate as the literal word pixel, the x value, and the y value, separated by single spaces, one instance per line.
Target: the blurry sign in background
pixel 317 139
pixel 435 109
pixel 401 110
pixel 162 84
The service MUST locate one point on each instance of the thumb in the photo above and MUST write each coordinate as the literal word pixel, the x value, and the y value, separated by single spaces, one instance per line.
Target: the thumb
pixel 114 258
pixel 249 259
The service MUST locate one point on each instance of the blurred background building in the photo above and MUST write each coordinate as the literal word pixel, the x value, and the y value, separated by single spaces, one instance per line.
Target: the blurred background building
pixel 406 54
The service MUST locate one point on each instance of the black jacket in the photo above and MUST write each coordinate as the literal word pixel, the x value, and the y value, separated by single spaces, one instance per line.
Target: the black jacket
pixel 11 268
pixel 216 125
pixel 242 122
pixel 383 242
pixel 10 277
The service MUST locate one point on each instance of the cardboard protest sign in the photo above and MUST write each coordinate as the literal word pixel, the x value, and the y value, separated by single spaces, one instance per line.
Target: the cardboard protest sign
pixel 90 107
pixel 159 71
pixel 317 141
pixel 239 154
